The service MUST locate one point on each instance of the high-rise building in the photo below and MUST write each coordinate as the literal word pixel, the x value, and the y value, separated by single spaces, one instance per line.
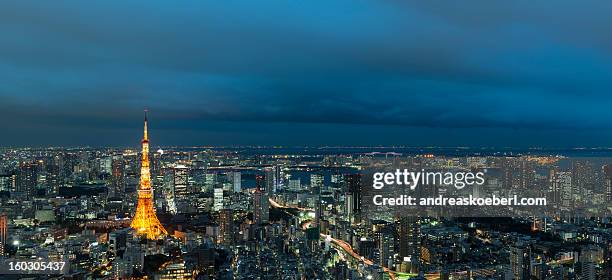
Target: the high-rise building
pixel 261 205
pixel 218 198
pixel 590 257
pixel 180 189
pixel 354 193
pixel 270 186
pixel 295 184
pixel 145 220
pixel 409 241
pixel 236 181
pixel 564 181
pixel 319 211
pixel 386 245
pixel 117 175
pixel 67 163
pixel 316 182
pixel 52 173
pixel 260 183
pixel 27 178
pixel 582 176
pixel 156 165
pixel 607 170
pixel 520 258
pixel 6 183
pixel 210 180
pixel 117 241
pixel 226 226
pixel 561 188
pixel 348 206
pixel 106 165
pixel 3 234
pixel 277 177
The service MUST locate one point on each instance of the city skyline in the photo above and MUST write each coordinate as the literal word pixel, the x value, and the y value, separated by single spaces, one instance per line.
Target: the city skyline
pixel 332 140
pixel 418 74
pixel 205 213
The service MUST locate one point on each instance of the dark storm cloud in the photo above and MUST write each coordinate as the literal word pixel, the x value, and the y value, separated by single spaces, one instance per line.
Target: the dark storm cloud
pixel 236 71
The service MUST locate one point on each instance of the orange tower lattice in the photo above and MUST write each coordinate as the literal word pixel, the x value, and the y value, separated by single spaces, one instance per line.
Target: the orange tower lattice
pixel 145 220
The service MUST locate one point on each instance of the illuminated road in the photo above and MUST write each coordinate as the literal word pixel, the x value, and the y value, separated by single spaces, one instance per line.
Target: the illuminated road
pixel 340 243
pixel 347 248
pixel 276 205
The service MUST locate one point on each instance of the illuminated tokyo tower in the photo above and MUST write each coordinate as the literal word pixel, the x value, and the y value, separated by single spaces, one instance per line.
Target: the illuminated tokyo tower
pixel 145 220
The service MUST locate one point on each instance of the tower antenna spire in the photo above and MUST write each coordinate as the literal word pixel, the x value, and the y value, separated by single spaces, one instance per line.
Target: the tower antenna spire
pixel 146 132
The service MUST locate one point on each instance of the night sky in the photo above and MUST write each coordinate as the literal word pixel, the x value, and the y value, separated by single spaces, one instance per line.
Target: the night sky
pixel 293 72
